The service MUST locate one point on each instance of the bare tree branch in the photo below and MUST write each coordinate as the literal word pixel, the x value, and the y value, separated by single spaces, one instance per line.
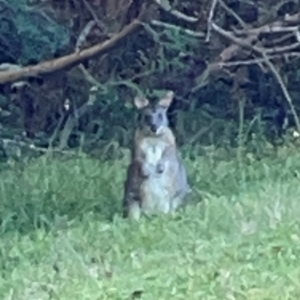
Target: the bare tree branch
pixel 257 50
pixel 69 61
pixel 166 6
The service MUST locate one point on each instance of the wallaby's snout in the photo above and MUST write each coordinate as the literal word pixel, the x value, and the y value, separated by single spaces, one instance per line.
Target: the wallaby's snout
pixel 154 117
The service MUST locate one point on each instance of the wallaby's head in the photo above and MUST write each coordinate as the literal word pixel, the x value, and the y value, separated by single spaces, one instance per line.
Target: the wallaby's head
pixel 153 117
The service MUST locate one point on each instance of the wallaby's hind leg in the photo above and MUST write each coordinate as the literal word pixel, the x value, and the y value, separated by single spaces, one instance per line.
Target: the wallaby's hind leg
pixel 131 203
pixel 166 207
pixel 182 187
pixel 134 211
pixel 179 200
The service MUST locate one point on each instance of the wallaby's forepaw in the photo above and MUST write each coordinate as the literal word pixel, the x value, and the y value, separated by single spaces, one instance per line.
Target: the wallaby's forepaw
pixel 145 170
pixel 149 169
pixel 134 211
pixel 160 168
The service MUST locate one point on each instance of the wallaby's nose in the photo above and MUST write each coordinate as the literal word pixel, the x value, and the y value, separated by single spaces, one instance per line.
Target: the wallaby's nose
pixel 153 127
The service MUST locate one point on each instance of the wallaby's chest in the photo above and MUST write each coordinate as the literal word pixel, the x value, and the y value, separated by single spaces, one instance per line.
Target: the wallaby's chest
pixel 155 189
pixel 152 150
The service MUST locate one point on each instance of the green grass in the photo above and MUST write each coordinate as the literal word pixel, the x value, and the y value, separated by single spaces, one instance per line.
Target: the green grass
pixel 62 236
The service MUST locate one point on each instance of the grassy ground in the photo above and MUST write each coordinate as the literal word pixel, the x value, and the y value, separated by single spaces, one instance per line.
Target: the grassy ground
pixel 62 237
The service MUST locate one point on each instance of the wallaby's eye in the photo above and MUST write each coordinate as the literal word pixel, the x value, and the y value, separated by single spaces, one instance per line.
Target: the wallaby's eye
pixel 148 119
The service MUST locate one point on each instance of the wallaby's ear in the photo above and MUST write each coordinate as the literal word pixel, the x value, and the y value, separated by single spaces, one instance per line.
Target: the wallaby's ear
pixel 167 99
pixel 140 102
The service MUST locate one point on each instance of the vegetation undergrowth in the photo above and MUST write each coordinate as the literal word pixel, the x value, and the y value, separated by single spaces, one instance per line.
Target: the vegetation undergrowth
pixel 62 236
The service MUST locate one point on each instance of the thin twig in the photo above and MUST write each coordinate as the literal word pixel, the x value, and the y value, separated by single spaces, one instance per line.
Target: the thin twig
pixel 84 34
pixel 279 40
pixel 233 13
pixel 166 6
pixel 73 119
pixel 95 17
pixel 273 28
pixel 210 18
pixel 81 39
pixel 197 34
pixel 257 60
pixel 277 50
pixel 56 131
pixel 297 34
pixel 283 88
